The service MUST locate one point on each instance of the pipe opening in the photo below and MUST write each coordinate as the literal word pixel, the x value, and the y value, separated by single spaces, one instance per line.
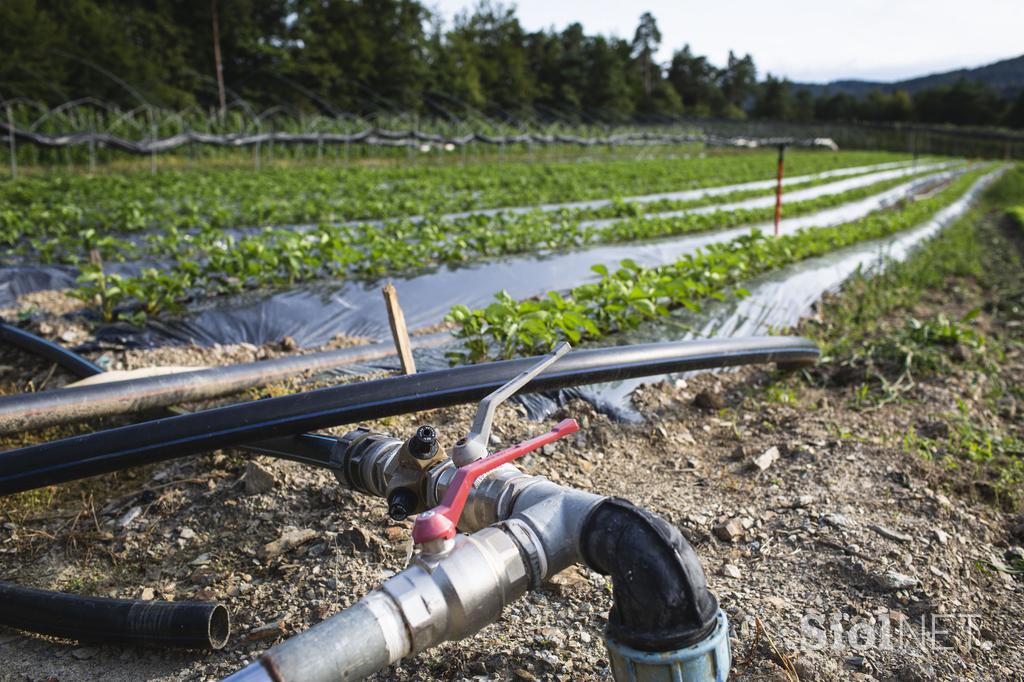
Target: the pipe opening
pixel 219 626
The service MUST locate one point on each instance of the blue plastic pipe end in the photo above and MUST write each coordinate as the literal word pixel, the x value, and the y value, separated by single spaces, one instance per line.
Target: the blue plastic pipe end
pixel 705 661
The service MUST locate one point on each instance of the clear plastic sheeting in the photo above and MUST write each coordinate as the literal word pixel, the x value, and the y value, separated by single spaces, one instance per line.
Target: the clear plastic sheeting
pixel 20 276
pixel 312 315
pixel 778 300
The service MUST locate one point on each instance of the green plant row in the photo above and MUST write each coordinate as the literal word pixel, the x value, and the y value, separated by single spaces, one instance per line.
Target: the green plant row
pixel 110 204
pixel 214 263
pixel 631 295
pixel 438 240
pixel 622 208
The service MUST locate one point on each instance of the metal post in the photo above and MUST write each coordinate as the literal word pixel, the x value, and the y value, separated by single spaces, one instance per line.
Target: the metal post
pixel 216 57
pixel 10 142
pixel 778 189
pixel 152 141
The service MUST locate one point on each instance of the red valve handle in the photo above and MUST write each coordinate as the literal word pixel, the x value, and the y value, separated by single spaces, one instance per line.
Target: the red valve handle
pixel 440 522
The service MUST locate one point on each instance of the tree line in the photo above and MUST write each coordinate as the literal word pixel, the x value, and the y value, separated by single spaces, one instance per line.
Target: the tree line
pixel 365 56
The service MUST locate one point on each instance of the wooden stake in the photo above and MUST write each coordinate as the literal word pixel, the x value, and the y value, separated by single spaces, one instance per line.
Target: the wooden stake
pixel 398 330
pixel 778 188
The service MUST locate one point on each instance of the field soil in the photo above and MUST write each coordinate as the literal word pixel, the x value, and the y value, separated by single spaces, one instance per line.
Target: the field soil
pixel 848 554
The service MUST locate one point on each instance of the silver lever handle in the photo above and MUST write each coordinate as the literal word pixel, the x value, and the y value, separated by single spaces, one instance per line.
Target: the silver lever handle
pixel 474 445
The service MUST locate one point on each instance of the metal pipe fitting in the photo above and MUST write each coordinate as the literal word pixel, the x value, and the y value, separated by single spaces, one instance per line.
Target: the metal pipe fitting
pixel 436 599
pixel 527 529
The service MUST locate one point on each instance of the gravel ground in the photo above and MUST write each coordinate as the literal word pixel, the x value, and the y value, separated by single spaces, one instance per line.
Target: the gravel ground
pixel 845 557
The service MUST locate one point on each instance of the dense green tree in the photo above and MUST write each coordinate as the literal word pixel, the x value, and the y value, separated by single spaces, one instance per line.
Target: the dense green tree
pixel 738 80
pixel 372 55
pixel 696 81
pixel 646 41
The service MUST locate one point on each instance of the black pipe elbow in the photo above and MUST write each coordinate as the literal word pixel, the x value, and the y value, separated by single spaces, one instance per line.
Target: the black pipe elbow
pixel 660 592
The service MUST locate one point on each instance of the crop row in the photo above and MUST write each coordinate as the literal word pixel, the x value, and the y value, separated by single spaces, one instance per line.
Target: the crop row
pixel 213 262
pixel 112 204
pixel 627 297
pixel 453 240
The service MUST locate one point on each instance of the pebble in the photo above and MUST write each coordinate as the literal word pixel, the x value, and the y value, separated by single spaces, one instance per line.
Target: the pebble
pixel 838 520
pixel 257 479
pixel 728 531
pixel 187 533
pixel 85 653
pixel 893 581
pixel 148 594
pixel 941 536
pixel 891 534
pixel 286 541
pixel 129 516
pixel 709 400
pixel 766 458
pixel 731 571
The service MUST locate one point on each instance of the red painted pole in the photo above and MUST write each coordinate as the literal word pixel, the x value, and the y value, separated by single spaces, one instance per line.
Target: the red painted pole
pixel 778 189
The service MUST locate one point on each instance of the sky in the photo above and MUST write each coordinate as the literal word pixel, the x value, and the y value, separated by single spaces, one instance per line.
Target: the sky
pixel 805 40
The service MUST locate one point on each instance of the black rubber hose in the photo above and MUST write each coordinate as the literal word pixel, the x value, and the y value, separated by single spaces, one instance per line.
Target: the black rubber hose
pixel 187 625
pixel 247 423
pixel 661 600
pixel 69 360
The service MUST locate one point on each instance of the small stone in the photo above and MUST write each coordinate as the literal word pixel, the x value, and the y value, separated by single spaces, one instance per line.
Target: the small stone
pixel 709 400
pixel 941 536
pixel 186 533
pixel 85 653
pixel 891 534
pixel 838 520
pixel 288 540
pixel 728 531
pixel 766 458
pixel 569 578
pixel 524 675
pixel 358 539
pixel 396 533
pixel 129 516
pixel 731 571
pixel 148 594
pixel 275 629
pixel 257 479
pixel 289 344
pixel 201 560
pixel 893 581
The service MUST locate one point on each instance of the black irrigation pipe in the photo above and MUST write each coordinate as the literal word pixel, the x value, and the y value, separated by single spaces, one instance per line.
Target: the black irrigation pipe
pixel 191 625
pixel 188 625
pixel 70 361
pixel 79 403
pixel 370 137
pixel 248 423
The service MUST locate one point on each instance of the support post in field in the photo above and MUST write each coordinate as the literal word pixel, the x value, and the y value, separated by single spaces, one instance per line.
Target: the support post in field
pixel 10 141
pixel 778 188
pixel 398 330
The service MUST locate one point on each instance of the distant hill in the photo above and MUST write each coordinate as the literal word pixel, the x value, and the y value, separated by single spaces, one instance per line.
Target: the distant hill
pixel 1006 76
